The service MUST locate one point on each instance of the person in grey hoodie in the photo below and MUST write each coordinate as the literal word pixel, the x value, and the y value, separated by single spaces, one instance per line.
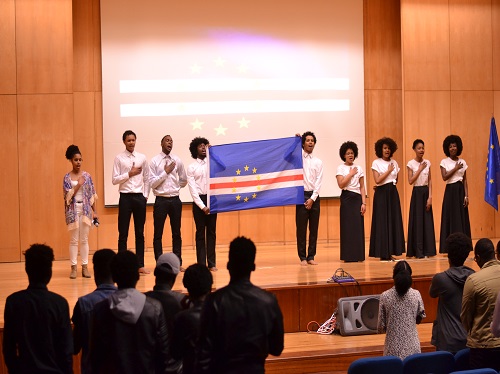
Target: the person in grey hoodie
pixel 448 333
pixel 128 331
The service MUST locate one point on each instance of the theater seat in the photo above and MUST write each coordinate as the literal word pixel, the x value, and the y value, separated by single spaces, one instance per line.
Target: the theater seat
pixel 376 365
pixel 475 371
pixel 462 359
pixel 439 362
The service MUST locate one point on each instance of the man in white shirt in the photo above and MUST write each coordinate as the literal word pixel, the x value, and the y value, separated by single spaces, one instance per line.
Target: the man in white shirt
pixel 131 173
pixel 310 210
pixel 197 175
pixel 166 177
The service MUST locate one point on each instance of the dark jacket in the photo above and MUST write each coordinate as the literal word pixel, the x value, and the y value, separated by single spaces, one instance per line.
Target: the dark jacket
pixel 240 325
pixel 448 333
pixel 128 334
pixel 185 337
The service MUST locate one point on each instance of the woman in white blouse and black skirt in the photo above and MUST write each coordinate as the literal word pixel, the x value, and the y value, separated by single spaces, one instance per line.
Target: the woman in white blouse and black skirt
pixel 455 212
pixel 351 180
pixel 387 235
pixel 421 238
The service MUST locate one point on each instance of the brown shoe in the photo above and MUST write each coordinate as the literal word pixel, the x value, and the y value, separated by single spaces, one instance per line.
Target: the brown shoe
pixel 85 271
pixel 72 275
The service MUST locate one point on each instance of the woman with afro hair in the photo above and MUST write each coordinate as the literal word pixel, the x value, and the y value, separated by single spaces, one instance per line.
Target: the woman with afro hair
pixel 387 235
pixel 455 211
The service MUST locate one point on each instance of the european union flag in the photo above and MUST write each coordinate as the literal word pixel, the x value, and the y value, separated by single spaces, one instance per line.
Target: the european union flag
pixel 492 189
pixel 256 174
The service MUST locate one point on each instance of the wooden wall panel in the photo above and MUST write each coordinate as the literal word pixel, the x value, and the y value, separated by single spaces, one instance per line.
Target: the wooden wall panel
pixel 382 44
pixel 44 129
pixel 268 224
pixel 83 46
pixel 427 116
pixel 470 118
pixel 495 27
pixel 471 45
pixel 7 47
pixel 425 39
pixel 44 41
pixel 9 174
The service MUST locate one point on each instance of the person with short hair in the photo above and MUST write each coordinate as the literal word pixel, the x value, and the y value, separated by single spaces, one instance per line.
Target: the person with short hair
pixel 241 324
pixel 478 303
pixel 84 306
pixel 401 308
pixel 128 332
pixel 37 330
pixel 307 214
pixel 198 282
pixel 448 333
pixel 167 176
pixel 131 173
pixel 455 209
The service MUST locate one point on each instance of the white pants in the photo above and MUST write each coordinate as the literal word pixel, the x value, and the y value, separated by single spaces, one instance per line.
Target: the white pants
pixel 80 234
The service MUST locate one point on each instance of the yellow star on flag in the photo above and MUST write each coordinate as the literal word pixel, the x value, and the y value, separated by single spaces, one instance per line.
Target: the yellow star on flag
pixel 238 197
pixel 219 62
pixel 234 189
pixel 220 130
pixel 254 195
pixel 246 199
pixel 492 181
pixel 243 123
pixel 196 69
pixel 246 167
pixel 492 146
pixel 197 124
pixel 254 170
pixel 238 172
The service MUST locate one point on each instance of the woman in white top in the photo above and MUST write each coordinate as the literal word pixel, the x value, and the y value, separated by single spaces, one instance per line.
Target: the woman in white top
pixel 351 180
pixel 80 209
pixel 421 238
pixel 455 213
pixel 387 236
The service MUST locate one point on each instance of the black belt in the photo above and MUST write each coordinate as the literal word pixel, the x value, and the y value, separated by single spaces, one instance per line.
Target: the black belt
pixel 167 197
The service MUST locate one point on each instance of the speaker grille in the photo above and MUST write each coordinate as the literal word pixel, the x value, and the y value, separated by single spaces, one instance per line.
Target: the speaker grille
pixel 358 315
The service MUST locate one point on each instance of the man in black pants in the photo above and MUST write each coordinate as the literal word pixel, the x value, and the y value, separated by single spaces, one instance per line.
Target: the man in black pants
pixel 310 210
pixel 205 222
pixel 166 177
pixel 131 173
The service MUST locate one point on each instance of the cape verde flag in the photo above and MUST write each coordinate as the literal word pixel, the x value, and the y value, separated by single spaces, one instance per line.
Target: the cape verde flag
pixel 256 174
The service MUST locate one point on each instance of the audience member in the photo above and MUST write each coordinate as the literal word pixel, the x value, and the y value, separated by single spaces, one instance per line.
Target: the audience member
pixel 240 323
pixel 448 333
pixel 85 304
pixel 37 329
pixel 401 308
pixel 198 281
pixel 128 331
pixel 478 302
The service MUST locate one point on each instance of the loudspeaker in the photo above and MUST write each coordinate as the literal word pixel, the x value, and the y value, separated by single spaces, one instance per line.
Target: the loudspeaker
pixel 358 315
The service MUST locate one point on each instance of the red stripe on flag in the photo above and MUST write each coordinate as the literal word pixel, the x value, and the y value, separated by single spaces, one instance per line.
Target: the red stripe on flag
pixel 260 182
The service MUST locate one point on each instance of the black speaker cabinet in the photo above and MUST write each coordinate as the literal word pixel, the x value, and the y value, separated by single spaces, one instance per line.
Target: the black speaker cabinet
pixel 358 315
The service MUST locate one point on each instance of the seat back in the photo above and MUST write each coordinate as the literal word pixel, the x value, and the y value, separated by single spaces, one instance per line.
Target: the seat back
pixel 462 359
pixel 439 362
pixel 476 371
pixel 376 365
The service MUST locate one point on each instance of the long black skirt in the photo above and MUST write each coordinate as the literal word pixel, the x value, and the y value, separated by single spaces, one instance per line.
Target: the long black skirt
pixel 421 237
pixel 352 227
pixel 454 216
pixel 387 236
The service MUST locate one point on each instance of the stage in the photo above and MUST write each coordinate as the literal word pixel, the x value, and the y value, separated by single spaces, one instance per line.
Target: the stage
pixel 302 292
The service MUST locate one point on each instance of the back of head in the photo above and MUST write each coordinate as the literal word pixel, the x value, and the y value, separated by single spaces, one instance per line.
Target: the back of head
pixel 402 277
pixel 484 251
pixel 198 281
pixel 38 264
pixel 241 257
pixel 458 245
pixel 166 270
pixel 101 261
pixel 125 269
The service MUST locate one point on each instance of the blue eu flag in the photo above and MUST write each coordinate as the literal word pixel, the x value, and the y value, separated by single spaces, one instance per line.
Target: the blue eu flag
pixel 492 188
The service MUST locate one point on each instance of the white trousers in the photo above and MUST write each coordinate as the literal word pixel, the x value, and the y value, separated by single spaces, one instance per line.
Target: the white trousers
pixel 80 234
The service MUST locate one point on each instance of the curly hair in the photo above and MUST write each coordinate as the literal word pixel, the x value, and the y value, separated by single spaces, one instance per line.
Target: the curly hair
pixel 193 146
pixel 71 151
pixel 345 147
pixel 198 280
pixel 306 134
pixel 380 144
pixel 458 245
pixel 452 139
pixel 417 142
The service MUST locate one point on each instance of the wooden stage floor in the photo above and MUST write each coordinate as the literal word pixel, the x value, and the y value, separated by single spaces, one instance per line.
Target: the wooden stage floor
pixel 278 268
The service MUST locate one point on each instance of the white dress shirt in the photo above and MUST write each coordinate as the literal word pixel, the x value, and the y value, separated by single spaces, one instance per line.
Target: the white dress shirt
pixel 163 184
pixel 313 173
pixel 123 164
pixel 197 177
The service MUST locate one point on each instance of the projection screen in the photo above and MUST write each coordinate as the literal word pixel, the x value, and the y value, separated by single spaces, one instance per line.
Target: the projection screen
pixel 232 71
